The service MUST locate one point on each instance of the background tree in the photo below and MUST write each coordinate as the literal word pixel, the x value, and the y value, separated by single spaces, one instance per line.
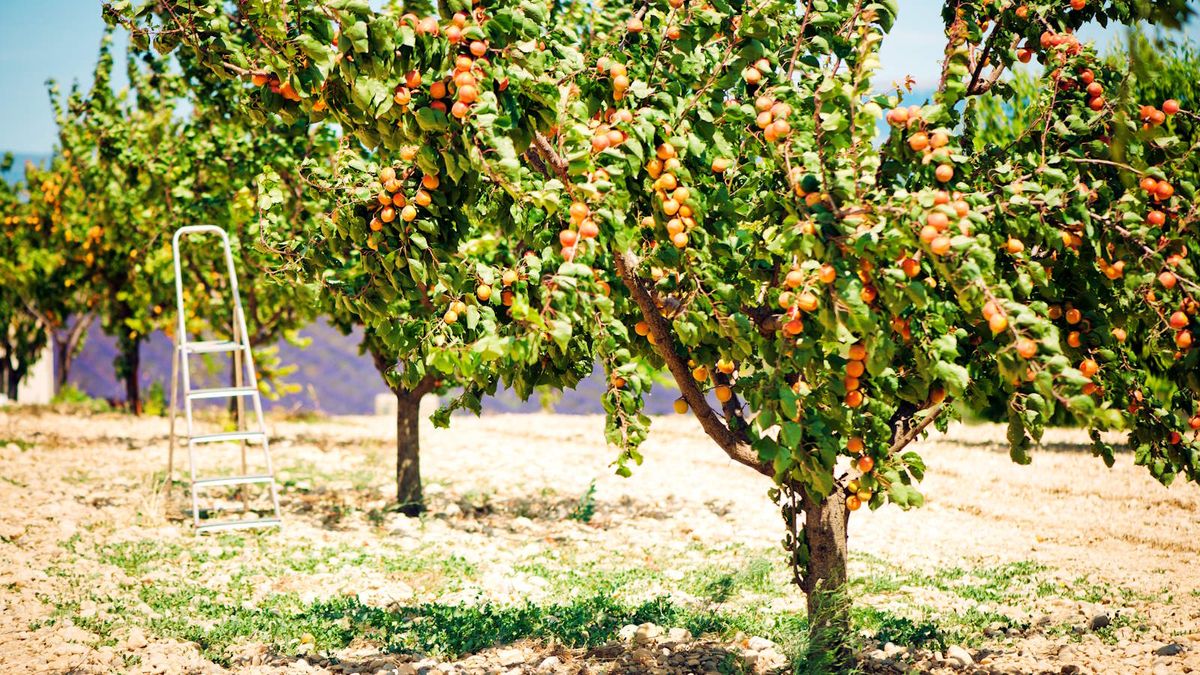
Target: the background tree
pixel 22 338
pixel 832 290
pixel 168 153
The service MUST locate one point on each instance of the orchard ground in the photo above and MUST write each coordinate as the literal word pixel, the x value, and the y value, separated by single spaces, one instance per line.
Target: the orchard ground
pixel 520 566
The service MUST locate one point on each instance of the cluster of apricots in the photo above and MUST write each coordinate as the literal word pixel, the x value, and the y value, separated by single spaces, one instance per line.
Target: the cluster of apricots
pixel 1152 117
pixel 796 299
pixel 855 368
pixel 673 197
pixel 461 86
pixel 772 118
pixel 930 144
pixel 582 228
pixel 935 233
pixel 754 74
pixel 856 493
pixel 605 134
pixel 284 89
pixel 617 72
pixel 391 201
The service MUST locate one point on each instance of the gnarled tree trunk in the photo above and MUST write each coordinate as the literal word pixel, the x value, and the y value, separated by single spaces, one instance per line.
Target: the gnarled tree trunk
pixel 824 581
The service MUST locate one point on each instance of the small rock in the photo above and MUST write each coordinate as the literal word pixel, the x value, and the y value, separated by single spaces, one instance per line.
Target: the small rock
pixel 550 663
pixel 136 639
pixel 759 644
pixel 645 634
pixel 1172 649
pixel 1100 621
pixel 894 650
pixel 959 656
pixel 627 632
pixel 510 657
pixel 679 635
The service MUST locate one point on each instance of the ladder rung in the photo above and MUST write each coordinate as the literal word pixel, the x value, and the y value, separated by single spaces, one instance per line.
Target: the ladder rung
pixel 238 524
pixel 212 346
pixel 221 392
pixel 233 480
pixel 256 436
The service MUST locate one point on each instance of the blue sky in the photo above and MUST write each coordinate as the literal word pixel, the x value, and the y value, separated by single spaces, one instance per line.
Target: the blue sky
pixel 42 39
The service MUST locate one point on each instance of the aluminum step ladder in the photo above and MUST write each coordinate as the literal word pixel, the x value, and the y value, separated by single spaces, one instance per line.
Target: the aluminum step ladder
pixel 245 386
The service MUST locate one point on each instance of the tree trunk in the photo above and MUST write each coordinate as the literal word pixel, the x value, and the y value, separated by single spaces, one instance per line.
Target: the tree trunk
pixel 65 347
pixel 14 383
pixel 408 452
pixel 62 363
pixel 131 354
pixel 829 647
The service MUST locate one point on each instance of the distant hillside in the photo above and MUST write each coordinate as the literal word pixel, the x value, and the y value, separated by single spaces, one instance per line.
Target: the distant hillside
pixel 332 375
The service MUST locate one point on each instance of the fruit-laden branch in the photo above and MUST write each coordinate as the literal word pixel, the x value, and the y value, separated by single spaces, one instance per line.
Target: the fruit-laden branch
pixel 734 444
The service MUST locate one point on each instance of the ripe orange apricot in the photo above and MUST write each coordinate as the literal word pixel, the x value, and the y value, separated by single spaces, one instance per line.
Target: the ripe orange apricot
pixel 681 406
pixel 723 393
pixel 1119 334
pixel 1183 339
pixel 568 238
pixel 938 220
pixel 911 267
pixel 588 229
pixel 1167 279
pixel 853 503
pixel 944 173
pixel 1014 245
pixel 1074 316
pixel 1156 218
pixel 1026 348
pixel 478 48
pixel 858 352
pixel 430 181
pixel 998 323
pixel 794 279
pixel 807 302
pixel 460 110
pixel 680 239
pixel 408 213
pixel 854 398
pixel 855 368
pixel 1170 106
pixel 483 292
pixel 827 274
pixel 725 366
pixel 918 141
pixel 865 464
pixel 855 444
pixel 1088 367
pixel 940 245
pixel 578 211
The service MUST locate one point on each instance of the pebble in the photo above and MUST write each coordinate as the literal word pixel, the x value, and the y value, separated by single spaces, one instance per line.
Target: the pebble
pixel 959 656
pixel 1170 649
pixel 136 639
pixel 1100 621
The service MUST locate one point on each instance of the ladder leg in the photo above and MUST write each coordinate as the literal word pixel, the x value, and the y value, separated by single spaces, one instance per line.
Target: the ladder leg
pixel 174 403
pixel 240 407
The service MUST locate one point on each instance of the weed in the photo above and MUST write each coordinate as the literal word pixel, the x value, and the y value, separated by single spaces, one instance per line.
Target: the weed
pixel 586 508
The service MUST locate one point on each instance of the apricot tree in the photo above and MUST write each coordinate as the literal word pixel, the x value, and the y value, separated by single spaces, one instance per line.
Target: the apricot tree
pixel 703 186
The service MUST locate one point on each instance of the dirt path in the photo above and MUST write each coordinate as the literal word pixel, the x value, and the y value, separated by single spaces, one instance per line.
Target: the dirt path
pixel 1065 564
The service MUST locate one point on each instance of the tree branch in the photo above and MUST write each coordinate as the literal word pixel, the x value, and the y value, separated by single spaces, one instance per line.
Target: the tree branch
pixel 734 444
pixel 908 436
